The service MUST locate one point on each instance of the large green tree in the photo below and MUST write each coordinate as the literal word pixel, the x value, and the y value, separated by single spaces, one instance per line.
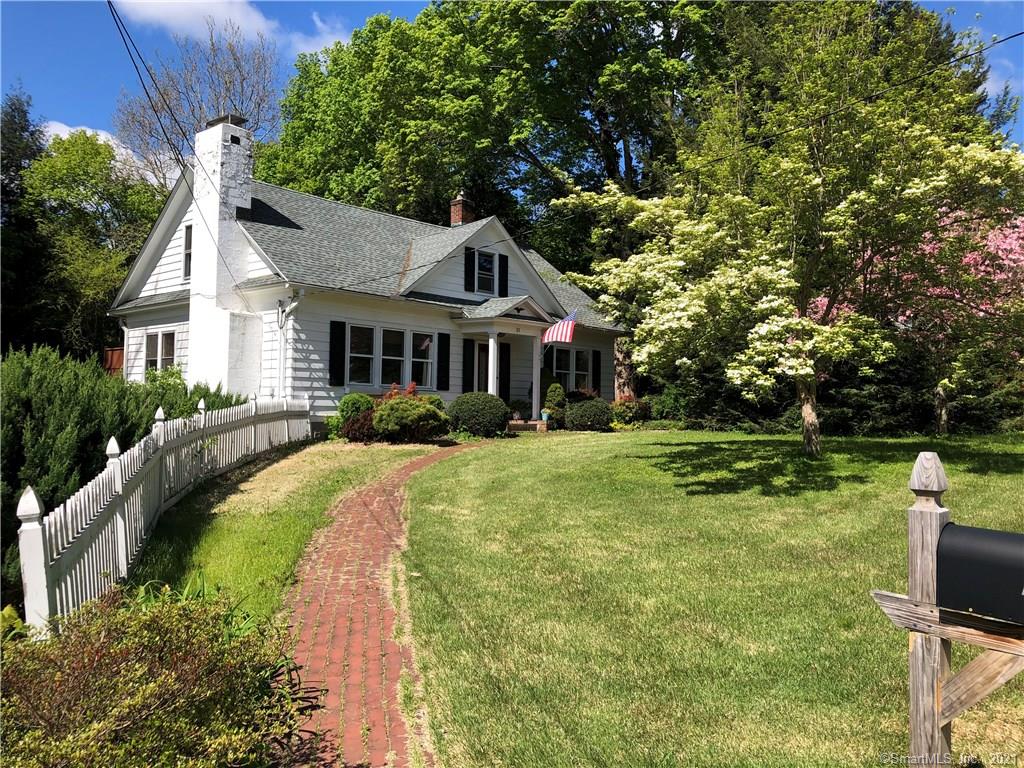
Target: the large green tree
pixel 26 251
pixel 516 103
pixel 96 209
pixel 793 239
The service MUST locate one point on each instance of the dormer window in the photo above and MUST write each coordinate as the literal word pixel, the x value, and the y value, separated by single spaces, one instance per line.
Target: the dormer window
pixel 484 272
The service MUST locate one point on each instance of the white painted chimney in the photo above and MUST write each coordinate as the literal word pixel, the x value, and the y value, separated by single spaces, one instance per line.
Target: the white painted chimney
pixel 222 184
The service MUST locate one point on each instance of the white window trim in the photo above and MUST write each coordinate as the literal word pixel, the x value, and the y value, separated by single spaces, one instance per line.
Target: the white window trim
pixel 373 356
pixel 376 373
pixel 186 253
pixel 160 335
pixel 494 272
pixel 404 378
pixel 572 364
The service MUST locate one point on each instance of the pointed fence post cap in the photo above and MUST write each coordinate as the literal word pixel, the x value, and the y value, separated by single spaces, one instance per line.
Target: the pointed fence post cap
pixel 928 477
pixel 30 506
pixel 159 413
pixel 113 449
pixel 202 405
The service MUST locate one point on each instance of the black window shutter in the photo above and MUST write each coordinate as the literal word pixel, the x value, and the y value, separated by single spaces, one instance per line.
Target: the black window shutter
pixel 505 371
pixel 595 371
pixel 470 276
pixel 502 274
pixel 549 359
pixel 336 355
pixel 444 350
pixel 468 374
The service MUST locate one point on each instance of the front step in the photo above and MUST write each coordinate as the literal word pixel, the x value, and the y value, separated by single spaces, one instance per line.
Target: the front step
pixel 528 426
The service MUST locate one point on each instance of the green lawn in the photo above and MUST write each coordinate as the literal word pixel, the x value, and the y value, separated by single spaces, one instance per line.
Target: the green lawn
pixel 247 529
pixel 694 599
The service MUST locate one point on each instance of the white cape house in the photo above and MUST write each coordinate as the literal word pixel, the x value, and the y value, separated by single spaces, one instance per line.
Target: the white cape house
pixel 273 292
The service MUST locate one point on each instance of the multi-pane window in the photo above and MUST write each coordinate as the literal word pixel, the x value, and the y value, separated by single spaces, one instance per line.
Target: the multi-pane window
pixel 484 272
pixel 187 265
pixel 360 355
pixel 392 358
pixel 422 356
pixel 563 370
pixel 582 370
pixel 159 350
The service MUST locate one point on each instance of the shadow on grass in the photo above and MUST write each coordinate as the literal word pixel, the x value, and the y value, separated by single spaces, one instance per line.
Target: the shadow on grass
pixel 776 466
pixel 167 556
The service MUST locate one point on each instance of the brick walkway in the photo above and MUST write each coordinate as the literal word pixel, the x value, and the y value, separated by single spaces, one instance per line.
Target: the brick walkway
pixel 345 624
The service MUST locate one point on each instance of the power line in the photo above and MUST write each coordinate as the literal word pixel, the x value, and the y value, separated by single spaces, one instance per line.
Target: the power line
pixel 125 38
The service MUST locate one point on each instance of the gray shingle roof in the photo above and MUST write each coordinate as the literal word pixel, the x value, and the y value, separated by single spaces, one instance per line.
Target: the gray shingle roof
pixel 568 295
pixel 173 297
pixel 494 307
pixel 319 242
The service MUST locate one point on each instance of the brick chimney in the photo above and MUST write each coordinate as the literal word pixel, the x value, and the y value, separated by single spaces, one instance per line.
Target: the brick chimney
pixel 462 210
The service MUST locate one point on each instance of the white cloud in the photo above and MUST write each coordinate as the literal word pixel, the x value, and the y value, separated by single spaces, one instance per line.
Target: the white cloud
pixel 325 33
pixel 1001 71
pixel 189 18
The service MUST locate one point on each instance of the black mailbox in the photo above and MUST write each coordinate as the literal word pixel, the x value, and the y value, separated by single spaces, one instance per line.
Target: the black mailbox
pixel 981 572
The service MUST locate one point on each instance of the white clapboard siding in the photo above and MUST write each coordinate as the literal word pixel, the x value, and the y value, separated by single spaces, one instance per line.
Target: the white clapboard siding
pixel 255 265
pixel 168 272
pixel 77 551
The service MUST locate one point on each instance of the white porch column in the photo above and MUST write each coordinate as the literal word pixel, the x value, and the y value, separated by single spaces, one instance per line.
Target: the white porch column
pixel 536 376
pixel 492 363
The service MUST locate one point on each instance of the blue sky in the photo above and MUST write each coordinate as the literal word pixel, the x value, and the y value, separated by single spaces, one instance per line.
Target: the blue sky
pixel 68 56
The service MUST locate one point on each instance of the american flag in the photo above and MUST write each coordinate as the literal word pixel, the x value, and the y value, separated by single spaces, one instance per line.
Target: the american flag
pixel 562 330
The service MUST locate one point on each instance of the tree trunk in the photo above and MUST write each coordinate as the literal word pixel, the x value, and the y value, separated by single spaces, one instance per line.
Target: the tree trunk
pixel 807 392
pixel 941 410
pixel 625 371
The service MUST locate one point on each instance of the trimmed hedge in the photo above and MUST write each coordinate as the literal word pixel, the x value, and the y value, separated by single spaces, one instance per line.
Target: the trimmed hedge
pixel 589 416
pixel 479 414
pixel 408 419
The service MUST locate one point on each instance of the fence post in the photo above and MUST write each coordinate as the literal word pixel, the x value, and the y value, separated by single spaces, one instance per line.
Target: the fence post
pixel 252 426
pixel 929 655
pixel 287 421
pixel 40 591
pixel 158 454
pixel 117 502
pixel 202 439
pixel 309 416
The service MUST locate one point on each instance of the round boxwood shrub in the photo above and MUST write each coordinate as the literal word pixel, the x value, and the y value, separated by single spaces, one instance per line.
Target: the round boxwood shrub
pixel 407 420
pixel 479 414
pixel 352 405
pixel 589 416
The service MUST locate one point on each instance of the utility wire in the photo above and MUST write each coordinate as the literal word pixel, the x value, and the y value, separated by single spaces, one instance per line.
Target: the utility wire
pixel 129 43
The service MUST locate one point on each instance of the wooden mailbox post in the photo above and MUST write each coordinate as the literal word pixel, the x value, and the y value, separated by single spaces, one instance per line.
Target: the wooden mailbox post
pixel 935 697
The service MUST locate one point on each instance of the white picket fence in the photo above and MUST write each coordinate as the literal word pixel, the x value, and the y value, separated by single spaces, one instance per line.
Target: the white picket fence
pixel 92 540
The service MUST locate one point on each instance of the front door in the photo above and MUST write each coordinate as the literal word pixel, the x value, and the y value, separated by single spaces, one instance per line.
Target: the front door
pixel 481 367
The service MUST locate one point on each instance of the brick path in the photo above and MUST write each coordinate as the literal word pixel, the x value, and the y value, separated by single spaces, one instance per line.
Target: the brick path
pixel 345 624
